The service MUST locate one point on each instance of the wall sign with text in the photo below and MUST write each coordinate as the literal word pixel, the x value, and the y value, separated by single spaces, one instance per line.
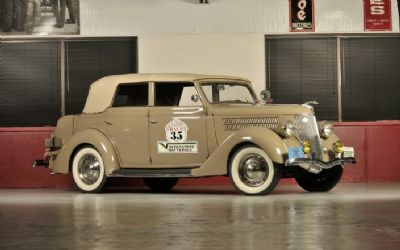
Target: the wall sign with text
pixel 301 15
pixel 377 15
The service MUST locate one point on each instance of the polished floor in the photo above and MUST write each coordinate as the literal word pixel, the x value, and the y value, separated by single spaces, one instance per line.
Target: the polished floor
pixel 352 216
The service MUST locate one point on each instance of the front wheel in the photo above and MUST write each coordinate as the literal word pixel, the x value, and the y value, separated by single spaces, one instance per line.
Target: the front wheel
pixel 321 182
pixel 88 170
pixel 253 172
pixel 160 185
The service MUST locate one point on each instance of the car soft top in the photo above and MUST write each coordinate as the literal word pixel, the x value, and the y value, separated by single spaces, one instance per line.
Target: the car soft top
pixel 102 91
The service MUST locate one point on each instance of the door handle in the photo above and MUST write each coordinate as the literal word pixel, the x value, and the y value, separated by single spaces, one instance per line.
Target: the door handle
pixel 153 121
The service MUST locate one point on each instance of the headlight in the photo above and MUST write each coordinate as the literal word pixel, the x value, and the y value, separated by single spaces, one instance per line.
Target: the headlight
pixel 338 147
pixel 326 130
pixel 289 129
pixel 306 147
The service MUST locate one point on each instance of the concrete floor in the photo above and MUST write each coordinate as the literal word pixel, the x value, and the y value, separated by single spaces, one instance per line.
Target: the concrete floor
pixel 352 216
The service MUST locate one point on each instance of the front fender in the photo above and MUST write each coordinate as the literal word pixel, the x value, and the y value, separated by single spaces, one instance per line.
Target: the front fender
pixel 265 138
pixel 94 138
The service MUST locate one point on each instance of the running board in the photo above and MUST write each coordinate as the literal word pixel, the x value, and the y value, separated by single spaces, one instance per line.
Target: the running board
pixel 145 172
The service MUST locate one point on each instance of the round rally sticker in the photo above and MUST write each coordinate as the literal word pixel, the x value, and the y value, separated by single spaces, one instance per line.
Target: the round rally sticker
pixel 176 131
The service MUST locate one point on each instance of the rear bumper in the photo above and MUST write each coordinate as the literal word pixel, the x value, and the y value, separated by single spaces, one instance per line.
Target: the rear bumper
pixel 316 166
pixel 53 145
pixel 40 163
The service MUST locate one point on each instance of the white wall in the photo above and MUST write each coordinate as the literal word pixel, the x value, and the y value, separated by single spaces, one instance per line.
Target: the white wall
pixel 224 37
pixel 231 54
pixel 138 17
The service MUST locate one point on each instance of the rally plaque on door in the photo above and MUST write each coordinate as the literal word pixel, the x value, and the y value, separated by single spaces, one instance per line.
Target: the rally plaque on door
pixel 176 134
pixel 301 16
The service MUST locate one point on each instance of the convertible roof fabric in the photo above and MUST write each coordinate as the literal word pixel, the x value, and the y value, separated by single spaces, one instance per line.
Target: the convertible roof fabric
pixel 102 91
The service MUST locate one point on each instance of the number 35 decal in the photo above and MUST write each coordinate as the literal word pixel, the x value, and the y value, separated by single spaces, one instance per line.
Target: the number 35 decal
pixel 176 136
pixel 176 131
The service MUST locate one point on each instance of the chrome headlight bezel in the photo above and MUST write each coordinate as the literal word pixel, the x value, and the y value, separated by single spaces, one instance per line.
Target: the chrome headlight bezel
pixel 326 129
pixel 289 129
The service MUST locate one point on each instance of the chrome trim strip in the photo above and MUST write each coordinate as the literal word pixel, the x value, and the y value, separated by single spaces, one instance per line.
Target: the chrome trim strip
pixel 149 172
pixel 316 166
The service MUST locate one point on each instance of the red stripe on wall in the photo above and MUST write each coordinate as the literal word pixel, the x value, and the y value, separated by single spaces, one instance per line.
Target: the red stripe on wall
pixel 377 147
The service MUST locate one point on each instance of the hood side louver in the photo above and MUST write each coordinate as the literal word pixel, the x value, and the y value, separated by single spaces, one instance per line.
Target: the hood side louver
pixel 239 123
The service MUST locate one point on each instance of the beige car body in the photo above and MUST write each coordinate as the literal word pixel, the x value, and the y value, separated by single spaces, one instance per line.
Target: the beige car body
pixel 127 137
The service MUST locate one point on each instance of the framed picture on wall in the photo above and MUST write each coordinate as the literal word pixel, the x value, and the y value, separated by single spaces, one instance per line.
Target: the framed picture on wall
pixel 301 16
pixel 39 17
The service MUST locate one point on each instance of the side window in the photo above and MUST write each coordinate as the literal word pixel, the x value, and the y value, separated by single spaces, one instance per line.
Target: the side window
pixel 133 95
pixel 177 95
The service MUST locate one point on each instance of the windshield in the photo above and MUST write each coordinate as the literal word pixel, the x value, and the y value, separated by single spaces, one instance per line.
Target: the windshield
pixel 220 92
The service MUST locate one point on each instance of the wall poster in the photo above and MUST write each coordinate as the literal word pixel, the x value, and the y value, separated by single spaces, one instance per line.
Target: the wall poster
pixel 377 15
pixel 301 16
pixel 39 17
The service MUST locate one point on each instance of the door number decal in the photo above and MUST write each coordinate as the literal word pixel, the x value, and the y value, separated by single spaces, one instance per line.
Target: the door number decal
pixel 176 132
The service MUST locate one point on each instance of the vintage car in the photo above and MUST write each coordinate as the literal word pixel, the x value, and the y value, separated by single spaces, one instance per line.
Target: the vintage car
pixel 163 127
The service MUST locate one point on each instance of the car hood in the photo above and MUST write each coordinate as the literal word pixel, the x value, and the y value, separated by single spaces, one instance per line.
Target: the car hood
pixel 246 110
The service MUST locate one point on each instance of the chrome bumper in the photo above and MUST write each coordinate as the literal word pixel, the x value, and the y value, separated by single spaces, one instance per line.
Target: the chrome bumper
pixel 316 166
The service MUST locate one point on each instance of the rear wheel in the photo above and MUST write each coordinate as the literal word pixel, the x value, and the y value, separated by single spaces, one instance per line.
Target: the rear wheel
pixel 160 184
pixel 88 170
pixel 253 172
pixel 322 182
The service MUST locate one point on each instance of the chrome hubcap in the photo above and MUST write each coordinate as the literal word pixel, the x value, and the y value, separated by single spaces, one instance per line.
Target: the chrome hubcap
pixel 253 170
pixel 89 169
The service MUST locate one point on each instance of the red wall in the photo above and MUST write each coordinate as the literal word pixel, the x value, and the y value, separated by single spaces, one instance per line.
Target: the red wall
pixel 377 145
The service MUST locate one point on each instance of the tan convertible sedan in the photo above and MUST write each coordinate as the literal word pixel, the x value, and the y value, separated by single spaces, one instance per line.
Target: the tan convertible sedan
pixel 162 127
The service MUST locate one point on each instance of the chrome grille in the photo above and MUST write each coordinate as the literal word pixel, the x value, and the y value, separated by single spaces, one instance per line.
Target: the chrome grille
pixel 307 130
pixel 239 123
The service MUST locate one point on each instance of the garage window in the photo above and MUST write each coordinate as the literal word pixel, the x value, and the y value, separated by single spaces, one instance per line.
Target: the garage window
pixel 300 70
pixel 370 78
pixel 30 83
pixel 87 61
pixel 32 76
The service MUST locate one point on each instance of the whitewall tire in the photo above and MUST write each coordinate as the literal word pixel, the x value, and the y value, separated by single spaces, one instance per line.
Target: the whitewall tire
pixel 88 170
pixel 253 172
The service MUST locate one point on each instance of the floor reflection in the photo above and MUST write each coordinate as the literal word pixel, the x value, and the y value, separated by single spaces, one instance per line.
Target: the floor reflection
pixel 351 217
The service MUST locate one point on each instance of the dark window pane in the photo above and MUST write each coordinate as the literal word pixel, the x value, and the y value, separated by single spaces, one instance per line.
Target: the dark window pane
pixel 87 61
pixel 301 70
pixel 169 94
pixel 131 96
pixel 370 78
pixel 30 84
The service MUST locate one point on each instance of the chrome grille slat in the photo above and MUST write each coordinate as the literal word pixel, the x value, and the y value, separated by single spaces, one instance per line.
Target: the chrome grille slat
pixel 307 130
pixel 239 123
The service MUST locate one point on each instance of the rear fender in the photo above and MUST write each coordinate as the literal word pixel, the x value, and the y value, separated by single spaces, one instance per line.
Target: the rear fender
pixel 94 138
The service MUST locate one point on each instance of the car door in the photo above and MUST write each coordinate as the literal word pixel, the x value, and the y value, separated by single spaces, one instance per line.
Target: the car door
pixel 127 124
pixel 177 126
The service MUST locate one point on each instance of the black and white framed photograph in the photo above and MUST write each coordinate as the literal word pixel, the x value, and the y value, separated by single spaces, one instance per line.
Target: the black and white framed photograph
pixel 39 17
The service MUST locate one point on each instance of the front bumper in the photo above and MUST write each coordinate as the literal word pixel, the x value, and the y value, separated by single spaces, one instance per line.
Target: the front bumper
pixel 316 166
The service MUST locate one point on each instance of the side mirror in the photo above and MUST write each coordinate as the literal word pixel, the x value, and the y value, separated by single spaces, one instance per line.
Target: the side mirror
pixel 265 96
pixel 195 98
